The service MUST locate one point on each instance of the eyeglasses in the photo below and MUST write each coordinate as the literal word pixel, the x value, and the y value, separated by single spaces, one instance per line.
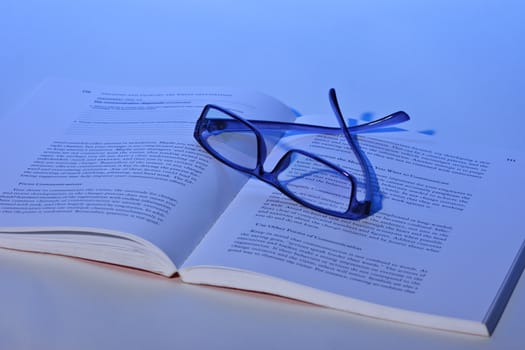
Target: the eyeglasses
pixel 302 176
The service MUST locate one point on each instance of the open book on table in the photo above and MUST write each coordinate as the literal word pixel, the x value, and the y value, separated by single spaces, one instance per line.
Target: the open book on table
pixel 114 175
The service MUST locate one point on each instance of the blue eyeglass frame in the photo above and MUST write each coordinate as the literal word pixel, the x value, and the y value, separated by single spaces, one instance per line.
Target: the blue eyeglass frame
pixel 356 209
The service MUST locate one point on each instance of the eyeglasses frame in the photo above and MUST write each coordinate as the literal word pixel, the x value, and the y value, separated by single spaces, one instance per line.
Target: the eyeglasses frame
pixel 357 209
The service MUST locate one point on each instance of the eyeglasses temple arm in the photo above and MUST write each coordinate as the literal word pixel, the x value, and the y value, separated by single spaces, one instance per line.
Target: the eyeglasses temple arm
pixel 366 204
pixel 234 125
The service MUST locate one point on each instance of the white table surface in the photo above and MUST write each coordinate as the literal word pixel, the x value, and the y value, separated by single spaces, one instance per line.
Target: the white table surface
pixel 457 67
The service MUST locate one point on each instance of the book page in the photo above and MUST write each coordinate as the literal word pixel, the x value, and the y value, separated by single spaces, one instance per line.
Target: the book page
pixel 443 242
pixel 124 160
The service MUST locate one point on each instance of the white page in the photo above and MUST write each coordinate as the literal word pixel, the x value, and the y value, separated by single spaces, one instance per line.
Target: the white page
pixel 122 160
pixel 448 232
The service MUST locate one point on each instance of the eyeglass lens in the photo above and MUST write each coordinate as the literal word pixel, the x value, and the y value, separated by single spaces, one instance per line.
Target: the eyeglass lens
pixel 237 147
pixel 315 183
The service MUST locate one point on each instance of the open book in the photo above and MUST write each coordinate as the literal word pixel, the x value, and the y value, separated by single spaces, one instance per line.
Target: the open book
pixel 114 175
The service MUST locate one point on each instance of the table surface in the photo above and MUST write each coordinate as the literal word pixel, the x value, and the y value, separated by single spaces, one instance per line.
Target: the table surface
pixel 457 67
